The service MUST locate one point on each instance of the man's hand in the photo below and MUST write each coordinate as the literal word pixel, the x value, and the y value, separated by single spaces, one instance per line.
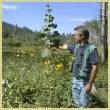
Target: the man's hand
pixel 52 46
pixel 88 87
pixel 64 46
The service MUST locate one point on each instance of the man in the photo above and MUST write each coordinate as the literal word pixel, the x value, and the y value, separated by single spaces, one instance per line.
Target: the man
pixel 84 68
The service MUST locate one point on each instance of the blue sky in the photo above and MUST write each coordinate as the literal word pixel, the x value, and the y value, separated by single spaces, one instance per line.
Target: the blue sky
pixel 67 14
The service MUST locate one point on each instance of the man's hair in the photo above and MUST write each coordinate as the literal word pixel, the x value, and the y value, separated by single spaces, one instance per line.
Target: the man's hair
pixel 83 30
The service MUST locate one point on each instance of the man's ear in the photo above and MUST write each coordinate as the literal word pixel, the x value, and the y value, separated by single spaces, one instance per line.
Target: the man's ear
pixel 83 37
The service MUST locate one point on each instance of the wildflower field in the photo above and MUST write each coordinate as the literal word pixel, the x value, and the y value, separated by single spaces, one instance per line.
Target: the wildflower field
pixel 30 80
pixel 35 72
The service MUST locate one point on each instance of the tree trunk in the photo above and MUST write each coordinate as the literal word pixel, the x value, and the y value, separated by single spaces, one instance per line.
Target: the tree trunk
pixel 103 32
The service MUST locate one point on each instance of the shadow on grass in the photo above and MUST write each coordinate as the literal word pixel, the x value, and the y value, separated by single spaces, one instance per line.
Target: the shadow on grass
pixel 98 102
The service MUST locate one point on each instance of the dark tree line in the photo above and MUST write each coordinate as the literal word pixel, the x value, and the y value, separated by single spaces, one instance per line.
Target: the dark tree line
pixel 16 33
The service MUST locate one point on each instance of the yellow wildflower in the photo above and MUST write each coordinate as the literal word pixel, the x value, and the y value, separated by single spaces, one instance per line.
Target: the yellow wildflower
pixel 58 66
pixel 46 62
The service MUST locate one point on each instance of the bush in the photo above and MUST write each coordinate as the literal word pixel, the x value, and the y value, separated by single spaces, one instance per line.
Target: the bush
pixel 14 44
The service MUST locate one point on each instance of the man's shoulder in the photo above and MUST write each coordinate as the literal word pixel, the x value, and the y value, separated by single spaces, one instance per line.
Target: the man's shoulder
pixel 71 45
pixel 91 48
pixel 71 48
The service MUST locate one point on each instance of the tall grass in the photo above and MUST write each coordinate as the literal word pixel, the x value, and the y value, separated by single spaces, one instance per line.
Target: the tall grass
pixel 32 81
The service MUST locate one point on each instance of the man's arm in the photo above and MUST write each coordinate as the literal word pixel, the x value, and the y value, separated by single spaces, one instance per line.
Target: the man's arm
pixel 88 87
pixel 94 61
pixel 93 73
pixel 64 46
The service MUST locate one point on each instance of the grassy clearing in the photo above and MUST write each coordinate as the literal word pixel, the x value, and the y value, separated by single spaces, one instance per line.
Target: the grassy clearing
pixel 32 81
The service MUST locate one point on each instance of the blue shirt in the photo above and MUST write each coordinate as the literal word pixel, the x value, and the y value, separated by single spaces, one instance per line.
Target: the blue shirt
pixel 93 57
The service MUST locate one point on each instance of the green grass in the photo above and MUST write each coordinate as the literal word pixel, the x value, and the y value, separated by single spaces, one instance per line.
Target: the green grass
pixel 32 81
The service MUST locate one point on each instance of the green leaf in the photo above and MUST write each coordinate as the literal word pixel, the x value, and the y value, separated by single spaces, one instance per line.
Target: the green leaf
pixel 45 52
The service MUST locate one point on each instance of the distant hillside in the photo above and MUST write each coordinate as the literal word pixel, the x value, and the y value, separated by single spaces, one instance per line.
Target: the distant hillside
pixel 9 26
pixel 17 33
pixel 9 30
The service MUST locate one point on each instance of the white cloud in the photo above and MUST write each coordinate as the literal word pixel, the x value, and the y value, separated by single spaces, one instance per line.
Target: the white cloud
pixel 73 19
pixel 9 7
pixel 79 19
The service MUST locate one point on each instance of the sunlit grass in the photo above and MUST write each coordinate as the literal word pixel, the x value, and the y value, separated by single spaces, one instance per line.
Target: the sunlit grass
pixel 32 81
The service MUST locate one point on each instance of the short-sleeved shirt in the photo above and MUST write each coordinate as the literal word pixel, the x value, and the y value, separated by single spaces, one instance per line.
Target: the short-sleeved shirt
pixel 93 57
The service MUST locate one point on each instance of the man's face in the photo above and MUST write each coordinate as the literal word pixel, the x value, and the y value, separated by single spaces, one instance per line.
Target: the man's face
pixel 78 36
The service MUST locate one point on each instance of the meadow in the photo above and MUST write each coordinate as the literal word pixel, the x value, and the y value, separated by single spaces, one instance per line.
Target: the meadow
pixel 30 80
